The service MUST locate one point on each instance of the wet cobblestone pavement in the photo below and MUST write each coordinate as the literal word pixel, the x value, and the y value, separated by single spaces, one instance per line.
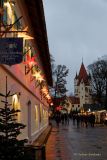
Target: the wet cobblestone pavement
pixel 72 143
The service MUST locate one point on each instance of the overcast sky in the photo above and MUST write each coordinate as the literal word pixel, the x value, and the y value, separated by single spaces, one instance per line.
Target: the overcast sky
pixel 76 29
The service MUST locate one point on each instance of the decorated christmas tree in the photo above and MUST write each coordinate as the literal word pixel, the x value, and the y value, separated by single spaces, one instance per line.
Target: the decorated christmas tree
pixel 11 148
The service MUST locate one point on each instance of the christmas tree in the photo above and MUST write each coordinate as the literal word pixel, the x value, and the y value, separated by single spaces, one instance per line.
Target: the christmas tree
pixel 11 148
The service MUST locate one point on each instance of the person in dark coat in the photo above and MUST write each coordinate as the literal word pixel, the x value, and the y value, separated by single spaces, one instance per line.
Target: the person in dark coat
pixel 57 119
pixel 78 120
pixel 92 120
pixel 74 118
pixel 82 120
pixel 62 118
pixel 86 119
pixel 66 116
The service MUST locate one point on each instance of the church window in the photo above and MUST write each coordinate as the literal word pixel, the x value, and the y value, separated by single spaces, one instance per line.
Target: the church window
pixel 86 89
pixel 16 105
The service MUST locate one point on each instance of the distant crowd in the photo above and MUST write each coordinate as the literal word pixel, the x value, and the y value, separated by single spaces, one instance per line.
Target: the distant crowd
pixel 61 118
pixel 84 120
pixel 78 120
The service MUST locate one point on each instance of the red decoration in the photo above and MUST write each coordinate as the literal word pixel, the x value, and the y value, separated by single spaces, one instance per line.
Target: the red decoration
pixel 30 60
pixel 58 108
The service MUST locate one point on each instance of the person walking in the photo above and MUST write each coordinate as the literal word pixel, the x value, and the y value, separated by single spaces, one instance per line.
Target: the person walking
pixel 92 120
pixel 74 118
pixel 78 120
pixel 86 118
pixel 62 119
pixel 57 119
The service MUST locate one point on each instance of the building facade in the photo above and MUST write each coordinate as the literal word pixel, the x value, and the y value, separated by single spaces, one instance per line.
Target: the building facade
pixel 74 103
pixel 82 86
pixel 27 81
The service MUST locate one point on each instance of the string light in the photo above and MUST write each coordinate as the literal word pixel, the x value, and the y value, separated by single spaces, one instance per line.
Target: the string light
pixel 30 60
pixel 38 76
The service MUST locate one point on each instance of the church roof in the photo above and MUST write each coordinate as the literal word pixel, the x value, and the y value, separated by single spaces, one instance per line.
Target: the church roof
pixel 58 100
pixel 76 76
pixel 83 76
pixel 74 100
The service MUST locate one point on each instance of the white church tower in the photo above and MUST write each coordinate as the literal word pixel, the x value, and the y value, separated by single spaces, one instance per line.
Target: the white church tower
pixel 82 87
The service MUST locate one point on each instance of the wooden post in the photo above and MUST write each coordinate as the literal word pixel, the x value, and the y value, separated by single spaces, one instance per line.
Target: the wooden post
pixel 29 121
pixel 1 15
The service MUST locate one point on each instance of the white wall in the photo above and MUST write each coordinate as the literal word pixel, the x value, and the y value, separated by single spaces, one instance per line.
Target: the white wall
pixel 36 125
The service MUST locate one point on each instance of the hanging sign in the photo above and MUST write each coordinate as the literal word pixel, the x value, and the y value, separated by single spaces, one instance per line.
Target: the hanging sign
pixel 11 50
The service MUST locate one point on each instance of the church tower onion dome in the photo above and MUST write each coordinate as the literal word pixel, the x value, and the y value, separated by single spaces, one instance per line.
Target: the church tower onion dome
pixel 83 76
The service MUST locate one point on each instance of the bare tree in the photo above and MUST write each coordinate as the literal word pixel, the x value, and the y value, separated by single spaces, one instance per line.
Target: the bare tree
pixel 60 74
pixel 98 73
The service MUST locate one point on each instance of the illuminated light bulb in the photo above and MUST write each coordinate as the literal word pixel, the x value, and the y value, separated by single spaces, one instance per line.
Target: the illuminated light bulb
pixel 40 79
pixel 48 96
pixel 30 60
pixel 37 75
pixel 24 34
pixel 12 2
pixel 6 4
pixel 44 90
